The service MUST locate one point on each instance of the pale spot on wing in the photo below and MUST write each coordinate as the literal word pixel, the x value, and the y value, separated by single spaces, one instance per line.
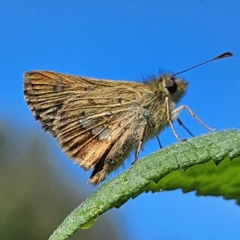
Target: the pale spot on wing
pixel 102 131
pixel 104 134
pixel 89 88
pixel 83 120
pixel 86 123
pixel 96 130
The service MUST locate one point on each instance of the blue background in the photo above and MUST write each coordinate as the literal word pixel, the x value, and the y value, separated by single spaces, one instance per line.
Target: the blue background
pixel 130 40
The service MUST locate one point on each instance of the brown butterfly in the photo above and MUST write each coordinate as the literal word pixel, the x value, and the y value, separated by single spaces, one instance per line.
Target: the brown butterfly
pixel 99 122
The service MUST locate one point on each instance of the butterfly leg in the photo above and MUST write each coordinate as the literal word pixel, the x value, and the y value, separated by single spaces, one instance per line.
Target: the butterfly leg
pixel 170 119
pixel 179 109
pixel 181 124
pixel 140 144
pixel 159 142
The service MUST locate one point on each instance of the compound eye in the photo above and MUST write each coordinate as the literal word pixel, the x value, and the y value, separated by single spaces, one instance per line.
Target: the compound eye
pixel 169 82
pixel 171 85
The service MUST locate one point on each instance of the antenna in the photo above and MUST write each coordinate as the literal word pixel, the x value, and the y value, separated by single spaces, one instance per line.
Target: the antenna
pixel 224 55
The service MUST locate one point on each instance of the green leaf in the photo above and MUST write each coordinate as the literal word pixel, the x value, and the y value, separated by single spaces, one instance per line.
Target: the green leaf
pixel 201 164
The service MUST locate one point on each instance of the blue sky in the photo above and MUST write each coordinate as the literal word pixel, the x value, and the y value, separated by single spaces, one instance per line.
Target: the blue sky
pixel 130 40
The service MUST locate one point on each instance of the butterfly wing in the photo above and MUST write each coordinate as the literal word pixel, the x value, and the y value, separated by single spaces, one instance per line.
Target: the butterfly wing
pixel 96 122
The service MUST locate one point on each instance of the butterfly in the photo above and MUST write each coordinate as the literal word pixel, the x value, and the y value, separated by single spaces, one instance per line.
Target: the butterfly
pixel 99 122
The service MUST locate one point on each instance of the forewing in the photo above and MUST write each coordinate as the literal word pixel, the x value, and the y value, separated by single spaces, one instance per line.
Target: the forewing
pixel 87 116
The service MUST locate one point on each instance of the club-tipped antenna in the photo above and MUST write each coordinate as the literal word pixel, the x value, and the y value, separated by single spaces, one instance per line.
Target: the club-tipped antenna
pixel 224 55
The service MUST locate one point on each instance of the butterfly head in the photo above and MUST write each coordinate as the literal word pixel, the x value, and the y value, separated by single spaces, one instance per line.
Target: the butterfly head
pixel 174 87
